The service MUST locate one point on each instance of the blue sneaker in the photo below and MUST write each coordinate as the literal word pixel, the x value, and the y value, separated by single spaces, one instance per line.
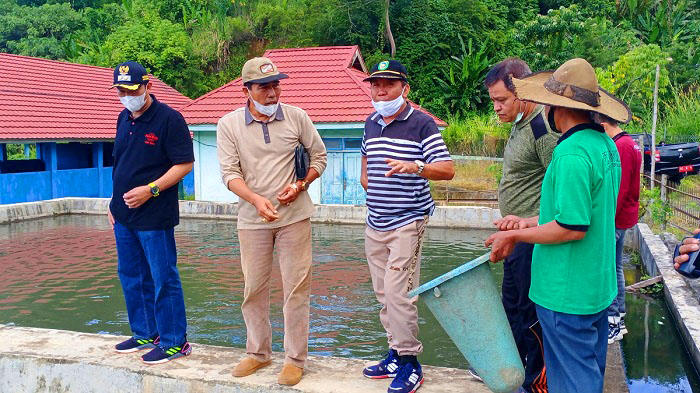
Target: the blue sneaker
pixel 159 355
pixel 385 369
pixel 136 344
pixel 408 379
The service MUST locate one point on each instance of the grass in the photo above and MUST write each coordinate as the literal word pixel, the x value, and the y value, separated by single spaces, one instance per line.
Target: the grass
pixel 682 120
pixel 473 176
pixel 476 135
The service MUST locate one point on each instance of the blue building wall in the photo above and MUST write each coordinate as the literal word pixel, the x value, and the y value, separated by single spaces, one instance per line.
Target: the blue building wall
pixel 72 170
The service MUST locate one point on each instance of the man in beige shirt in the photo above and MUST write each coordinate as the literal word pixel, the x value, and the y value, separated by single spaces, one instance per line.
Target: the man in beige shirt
pixel 255 146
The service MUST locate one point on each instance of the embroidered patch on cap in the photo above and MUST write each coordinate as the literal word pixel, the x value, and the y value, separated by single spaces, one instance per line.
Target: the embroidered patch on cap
pixel 267 68
pixel 383 65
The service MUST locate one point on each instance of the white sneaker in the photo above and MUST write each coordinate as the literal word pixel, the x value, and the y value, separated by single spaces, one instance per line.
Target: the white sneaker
pixel 614 333
pixel 623 328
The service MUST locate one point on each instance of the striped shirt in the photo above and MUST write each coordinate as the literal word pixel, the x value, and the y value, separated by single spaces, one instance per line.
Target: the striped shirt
pixel 401 199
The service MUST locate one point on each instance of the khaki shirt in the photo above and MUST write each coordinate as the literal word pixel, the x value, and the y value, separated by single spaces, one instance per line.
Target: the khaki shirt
pixel 262 154
pixel 525 160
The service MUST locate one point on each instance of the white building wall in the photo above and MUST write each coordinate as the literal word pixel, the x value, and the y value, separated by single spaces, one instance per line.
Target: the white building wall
pixel 208 185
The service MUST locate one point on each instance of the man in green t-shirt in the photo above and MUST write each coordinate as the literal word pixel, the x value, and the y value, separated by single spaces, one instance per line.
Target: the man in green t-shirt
pixel 573 263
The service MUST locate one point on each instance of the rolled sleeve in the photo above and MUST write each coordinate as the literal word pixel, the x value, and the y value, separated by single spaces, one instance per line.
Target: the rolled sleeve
pixel 572 189
pixel 313 143
pixel 227 153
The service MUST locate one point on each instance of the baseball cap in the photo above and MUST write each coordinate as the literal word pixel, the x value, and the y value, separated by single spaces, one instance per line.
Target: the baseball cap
pixel 130 75
pixel 389 69
pixel 260 70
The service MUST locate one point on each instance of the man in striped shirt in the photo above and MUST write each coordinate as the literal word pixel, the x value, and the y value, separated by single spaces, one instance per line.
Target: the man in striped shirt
pixel 401 150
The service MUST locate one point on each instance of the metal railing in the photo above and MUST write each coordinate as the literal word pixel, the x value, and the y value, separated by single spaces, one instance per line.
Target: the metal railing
pixel 682 199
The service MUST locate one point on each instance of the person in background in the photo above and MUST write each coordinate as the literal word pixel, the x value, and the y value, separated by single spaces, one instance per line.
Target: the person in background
pixel 626 215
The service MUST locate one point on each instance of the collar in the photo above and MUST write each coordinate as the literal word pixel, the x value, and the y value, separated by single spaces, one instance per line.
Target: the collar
pixel 581 127
pixel 279 115
pixel 526 120
pixel 148 115
pixel 618 136
pixel 405 114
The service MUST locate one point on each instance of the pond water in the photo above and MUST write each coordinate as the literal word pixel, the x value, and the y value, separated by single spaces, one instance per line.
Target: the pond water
pixel 60 273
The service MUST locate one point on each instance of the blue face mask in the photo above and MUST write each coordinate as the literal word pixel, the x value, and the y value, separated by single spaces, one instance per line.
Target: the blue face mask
pixel 388 108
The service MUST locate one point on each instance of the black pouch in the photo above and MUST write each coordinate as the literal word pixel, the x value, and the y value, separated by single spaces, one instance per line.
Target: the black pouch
pixel 301 162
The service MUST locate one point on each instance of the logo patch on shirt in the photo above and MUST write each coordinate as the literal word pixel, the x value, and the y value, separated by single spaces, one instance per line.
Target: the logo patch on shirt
pixel 151 139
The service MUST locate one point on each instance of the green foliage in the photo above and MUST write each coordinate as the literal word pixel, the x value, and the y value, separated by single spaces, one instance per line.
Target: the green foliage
pixel 662 22
pixel 496 170
pixel 682 115
pixel 197 45
pixel 37 31
pixel 655 288
pixel 550 38
pixel 462 84
pixel 476 134
pixel 160 45
pixel 632 79
pixel 650 202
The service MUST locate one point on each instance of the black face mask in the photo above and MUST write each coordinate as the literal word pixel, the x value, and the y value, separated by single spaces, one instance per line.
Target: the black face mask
pixel 550 119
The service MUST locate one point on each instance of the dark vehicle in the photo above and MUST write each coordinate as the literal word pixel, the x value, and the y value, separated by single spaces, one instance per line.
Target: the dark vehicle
pixel 676 160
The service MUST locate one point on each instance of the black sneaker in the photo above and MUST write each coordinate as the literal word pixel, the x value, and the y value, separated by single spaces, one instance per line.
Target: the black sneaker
pixel 159 355
pixel 136 344
pixel 385 369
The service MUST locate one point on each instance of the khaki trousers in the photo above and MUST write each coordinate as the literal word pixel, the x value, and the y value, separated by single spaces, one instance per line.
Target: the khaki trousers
pixel 293 245
pixel 394 264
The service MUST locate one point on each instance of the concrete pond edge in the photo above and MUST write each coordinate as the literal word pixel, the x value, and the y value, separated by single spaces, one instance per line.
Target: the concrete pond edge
pixel 681 299
pixel 443 217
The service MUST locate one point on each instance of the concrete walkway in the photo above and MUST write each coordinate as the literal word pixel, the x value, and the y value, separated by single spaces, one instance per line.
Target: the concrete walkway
pixel 58 361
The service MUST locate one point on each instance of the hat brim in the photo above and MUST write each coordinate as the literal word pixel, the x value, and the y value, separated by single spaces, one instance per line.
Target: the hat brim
pixel 270 78
pixel 531 88
pixel 385 75
pixel 129 87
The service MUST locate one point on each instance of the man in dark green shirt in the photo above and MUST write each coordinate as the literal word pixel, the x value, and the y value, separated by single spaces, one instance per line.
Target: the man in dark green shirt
pixel 573 265
pixel 526 157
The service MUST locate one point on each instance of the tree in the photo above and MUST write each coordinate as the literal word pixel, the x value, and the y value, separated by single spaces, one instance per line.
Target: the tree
pixel 160 45
pixel 38 31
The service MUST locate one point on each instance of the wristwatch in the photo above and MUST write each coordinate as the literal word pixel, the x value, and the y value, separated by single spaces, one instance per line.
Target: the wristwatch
pixel 155 191
pixel 421 165
pixel 304 185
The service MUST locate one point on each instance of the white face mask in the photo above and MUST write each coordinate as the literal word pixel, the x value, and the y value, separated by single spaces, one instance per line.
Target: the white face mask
pixel 520 114
pixel 267 110
pixel 388 108
pixel 134 103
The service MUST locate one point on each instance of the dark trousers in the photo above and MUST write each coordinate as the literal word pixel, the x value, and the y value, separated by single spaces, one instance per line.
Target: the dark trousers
pixel 522 316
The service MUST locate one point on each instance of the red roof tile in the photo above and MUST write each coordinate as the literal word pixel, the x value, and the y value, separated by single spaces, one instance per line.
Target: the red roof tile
pixel 44 99
pixel 324 81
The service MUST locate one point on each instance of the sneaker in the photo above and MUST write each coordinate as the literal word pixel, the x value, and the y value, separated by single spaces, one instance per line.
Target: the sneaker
pixel 623 328
pixel 136 344
pixel 159 355
pixel 408 379
pixel 474 374
pixel 385 369
pixel 614 332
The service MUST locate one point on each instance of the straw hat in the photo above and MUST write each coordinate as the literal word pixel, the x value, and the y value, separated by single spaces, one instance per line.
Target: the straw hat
pixel 573 85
